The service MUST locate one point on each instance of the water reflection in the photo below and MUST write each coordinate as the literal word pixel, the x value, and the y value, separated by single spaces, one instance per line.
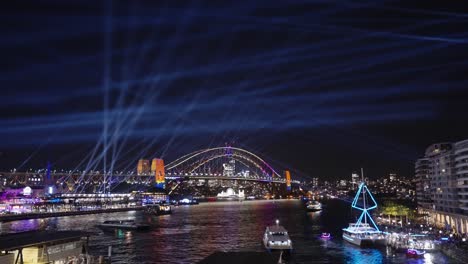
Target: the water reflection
pixel 356 255
pixel 193 232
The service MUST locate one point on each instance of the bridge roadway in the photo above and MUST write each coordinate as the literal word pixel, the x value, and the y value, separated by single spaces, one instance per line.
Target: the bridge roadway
pixel 37 178
pixel 239 178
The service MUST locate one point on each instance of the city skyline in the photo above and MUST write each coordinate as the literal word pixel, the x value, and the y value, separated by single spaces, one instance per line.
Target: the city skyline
pixel 261 131
pixel 320 95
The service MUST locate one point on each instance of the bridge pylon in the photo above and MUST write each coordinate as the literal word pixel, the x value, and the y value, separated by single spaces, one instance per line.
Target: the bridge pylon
pixel 157 168
pixel 287 176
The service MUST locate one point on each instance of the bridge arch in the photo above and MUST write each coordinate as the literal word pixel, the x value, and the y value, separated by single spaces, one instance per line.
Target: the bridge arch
pixel 191 162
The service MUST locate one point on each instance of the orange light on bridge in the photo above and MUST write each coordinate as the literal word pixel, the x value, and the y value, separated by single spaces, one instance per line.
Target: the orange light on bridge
pixel 157 167
pixel 143 167
pixel 288 180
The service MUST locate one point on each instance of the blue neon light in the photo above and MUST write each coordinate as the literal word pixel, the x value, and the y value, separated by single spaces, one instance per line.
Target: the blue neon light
pixel 365 211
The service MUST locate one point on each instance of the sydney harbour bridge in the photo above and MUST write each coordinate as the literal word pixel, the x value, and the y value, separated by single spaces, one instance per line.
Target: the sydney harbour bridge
pixel 219 164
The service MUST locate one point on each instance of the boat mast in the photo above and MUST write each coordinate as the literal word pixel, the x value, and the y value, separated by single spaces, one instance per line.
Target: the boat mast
pixel 363 195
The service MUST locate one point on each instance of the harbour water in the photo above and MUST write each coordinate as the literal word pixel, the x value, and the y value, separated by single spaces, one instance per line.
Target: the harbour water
pixel 192 233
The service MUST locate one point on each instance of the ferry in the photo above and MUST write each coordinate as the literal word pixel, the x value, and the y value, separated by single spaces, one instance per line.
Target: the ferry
pixel 276 238
pixel 313 206
pixel 186 201
pixel 414 253
pixel 362 233
pixel 158 209
pixel 123 224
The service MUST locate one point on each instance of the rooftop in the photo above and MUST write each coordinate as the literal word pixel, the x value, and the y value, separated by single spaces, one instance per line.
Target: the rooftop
pixel 37 238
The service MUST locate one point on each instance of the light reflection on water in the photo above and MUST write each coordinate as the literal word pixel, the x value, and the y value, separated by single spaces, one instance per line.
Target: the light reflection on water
pixel 194 232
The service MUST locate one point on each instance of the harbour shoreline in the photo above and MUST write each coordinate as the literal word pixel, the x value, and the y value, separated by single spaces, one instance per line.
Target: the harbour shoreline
pixel 15 217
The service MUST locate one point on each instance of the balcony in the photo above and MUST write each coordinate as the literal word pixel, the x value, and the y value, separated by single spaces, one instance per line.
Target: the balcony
pixel 462 143
pixel 460 157
pixel 462 171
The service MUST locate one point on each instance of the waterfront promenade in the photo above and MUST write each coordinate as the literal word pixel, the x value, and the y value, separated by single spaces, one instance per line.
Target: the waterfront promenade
pixel 15 217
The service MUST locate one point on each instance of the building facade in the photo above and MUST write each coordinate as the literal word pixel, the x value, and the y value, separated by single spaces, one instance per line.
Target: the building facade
pixel 423 183
pixel 442 185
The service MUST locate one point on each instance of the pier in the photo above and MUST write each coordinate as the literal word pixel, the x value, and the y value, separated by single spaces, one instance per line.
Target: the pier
pixel 43 247
pixel 400 242
pixel 15 217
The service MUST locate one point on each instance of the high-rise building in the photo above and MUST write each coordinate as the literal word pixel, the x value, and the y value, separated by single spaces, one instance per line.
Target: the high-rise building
pixel 315 182
pixel 355 180
pixel 442 185
pixel 423 183
pixel 461 171
pixel 229 169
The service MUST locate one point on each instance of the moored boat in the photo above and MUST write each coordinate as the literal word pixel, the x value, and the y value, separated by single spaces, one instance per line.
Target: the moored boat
pixel 158 209
pixel 362 233
pixel 414 253
pixel 123 224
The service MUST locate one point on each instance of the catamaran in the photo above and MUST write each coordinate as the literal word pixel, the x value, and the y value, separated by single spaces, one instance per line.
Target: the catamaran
pixel 364 233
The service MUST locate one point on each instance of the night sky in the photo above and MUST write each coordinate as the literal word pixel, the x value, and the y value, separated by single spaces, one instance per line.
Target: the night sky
pixel 319 87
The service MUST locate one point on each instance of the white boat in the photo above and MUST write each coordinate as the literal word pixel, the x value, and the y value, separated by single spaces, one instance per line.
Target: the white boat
pixel 414 253
pixel 123 224
pixel 313 206
pixel 158 209
pixel 276 238
pixel 362 233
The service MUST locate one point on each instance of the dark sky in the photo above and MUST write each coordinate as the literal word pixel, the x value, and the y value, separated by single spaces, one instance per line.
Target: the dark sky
pixel 319 87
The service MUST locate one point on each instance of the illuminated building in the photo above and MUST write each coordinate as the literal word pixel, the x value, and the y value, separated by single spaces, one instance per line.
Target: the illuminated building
pixel 229 168
pixel 230 193
pixel 423 183
pixel 442 185
pixel 461 171
pixel 143 167
pixel 315 182
pixel 342 183
pixel 355 180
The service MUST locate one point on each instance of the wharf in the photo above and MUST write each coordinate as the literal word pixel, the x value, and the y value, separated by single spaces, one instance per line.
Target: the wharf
pixel 15 241
pixel 402 242
pixel 43 246
pixel 15 217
